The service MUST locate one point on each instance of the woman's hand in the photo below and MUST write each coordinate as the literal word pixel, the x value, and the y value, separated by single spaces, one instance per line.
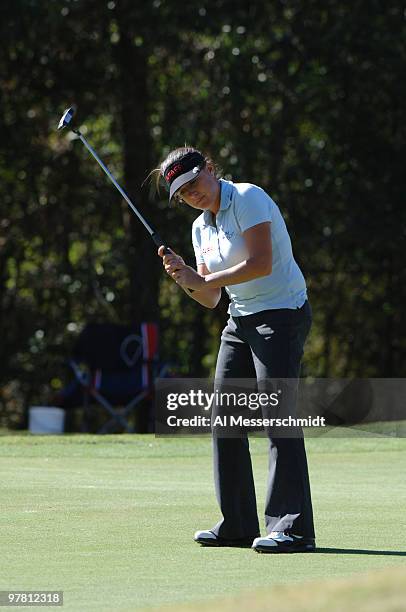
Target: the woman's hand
pixel 170 262
pixel 184 275
pixel 188 278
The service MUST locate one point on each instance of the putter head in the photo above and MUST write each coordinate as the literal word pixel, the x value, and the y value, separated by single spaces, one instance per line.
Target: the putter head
pixel 66 118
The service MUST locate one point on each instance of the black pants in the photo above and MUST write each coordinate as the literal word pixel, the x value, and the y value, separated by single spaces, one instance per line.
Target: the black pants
pixel 265 345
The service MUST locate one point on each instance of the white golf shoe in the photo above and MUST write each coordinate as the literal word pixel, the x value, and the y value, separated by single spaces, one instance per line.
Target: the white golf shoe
pixel 205 537
pixel 208 538
pixel 282 541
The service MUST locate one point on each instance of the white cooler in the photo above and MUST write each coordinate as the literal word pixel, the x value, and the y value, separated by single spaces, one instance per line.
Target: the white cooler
pixel 46 420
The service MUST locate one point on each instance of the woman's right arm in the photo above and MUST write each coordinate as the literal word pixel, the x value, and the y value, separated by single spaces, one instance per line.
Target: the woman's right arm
pixel 207 297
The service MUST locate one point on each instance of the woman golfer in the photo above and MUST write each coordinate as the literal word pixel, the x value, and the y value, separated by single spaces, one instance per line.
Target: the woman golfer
pixel 241 243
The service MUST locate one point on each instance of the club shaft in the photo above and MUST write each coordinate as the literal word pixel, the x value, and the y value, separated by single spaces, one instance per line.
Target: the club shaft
pixel 113 180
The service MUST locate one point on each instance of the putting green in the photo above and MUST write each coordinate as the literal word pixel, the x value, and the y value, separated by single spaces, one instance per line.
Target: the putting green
pixel 110 520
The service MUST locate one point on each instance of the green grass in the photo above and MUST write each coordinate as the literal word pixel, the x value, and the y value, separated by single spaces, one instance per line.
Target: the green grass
pixel 375 591
pixel 110 520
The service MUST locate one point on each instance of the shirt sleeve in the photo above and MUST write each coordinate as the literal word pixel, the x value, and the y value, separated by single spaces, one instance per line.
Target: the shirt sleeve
pixel 251 207
pixel 197 244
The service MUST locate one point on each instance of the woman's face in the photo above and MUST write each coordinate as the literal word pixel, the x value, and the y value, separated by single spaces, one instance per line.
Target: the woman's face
pixel 203 192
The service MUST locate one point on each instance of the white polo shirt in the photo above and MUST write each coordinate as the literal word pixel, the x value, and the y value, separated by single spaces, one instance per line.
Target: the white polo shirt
pixel 218 242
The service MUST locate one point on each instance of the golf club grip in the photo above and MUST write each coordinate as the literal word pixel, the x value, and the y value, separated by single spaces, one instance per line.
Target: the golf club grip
pixel 167 251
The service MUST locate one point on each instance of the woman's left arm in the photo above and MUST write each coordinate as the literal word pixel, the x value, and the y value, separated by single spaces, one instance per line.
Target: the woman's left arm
pixel 258 263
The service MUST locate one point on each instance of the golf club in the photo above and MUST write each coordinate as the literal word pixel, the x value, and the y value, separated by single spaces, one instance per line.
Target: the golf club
pixel 64 122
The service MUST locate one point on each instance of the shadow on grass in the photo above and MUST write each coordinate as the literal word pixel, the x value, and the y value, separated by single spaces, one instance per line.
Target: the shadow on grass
pixel 324 551
pixel 360 551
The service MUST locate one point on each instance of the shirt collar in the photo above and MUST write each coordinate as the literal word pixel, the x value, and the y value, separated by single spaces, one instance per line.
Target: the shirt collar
pixel 225 200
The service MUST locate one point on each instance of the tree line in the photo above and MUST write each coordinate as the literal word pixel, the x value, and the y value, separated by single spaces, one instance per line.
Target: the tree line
pixel 304 99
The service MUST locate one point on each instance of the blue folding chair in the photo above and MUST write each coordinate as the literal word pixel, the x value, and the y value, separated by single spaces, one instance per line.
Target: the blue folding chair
pixel 114 367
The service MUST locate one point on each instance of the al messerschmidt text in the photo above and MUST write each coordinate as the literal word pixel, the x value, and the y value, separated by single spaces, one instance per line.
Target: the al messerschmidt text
pixel 239 421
